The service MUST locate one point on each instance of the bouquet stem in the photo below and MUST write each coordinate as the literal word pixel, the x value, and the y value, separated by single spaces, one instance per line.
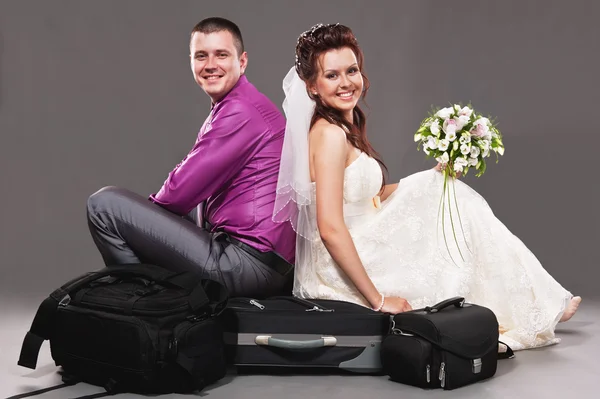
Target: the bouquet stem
pixel 459 218
pixel 446 192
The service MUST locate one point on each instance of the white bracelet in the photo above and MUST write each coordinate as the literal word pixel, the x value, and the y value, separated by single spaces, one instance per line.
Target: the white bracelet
pixel 381 304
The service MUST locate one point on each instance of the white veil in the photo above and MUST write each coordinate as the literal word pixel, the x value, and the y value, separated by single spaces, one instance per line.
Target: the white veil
pixel 294 196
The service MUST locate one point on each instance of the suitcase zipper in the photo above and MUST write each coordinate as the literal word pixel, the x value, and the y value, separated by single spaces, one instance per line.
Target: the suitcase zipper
pixel 315 307
pixel 257 304
pixel 318 309
pixel 442 376
pixel 428 374
pixel 311 306
pixel 250 301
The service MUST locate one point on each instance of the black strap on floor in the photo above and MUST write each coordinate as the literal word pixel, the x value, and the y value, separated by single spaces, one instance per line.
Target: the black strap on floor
pixel 94 395
pixel 52 388
pixel 39 391
pixel 509 354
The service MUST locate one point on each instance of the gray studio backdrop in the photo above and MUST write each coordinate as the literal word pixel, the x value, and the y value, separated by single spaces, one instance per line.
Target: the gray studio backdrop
pixel 96 93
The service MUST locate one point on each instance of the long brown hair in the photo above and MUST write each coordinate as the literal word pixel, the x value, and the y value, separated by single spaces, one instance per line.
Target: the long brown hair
pixel 311 44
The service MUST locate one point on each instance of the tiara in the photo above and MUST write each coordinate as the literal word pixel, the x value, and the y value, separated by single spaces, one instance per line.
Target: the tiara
pixel 309 35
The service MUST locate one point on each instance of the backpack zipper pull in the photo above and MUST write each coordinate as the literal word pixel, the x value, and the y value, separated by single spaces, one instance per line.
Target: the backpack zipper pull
pixel 65 301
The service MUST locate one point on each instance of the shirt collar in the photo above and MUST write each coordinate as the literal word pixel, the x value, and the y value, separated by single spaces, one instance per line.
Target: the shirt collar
pixel 241 81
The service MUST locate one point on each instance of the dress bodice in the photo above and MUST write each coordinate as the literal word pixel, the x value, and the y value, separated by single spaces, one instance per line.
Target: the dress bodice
pixel 362 180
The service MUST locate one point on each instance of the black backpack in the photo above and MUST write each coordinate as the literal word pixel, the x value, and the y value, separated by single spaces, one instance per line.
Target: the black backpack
pixel 132 328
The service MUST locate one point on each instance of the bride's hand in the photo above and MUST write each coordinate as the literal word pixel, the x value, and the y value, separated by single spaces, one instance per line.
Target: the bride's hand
pixel 439 167
pixel 393 305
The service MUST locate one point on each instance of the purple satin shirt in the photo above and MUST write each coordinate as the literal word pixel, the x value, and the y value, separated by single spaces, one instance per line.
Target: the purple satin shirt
pixel 234 166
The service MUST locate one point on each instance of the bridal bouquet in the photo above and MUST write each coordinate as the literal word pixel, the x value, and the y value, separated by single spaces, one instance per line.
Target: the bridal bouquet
pixel 459 139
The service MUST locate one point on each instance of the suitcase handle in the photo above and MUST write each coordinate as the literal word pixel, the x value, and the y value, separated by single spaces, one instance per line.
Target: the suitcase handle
pixel 457 301
pixel 267 340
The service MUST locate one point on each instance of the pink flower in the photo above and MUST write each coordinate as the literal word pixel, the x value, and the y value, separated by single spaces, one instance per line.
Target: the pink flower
pixel 479 130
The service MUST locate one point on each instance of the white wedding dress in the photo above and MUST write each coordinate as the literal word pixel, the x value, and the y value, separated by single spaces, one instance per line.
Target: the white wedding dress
pixel 402 248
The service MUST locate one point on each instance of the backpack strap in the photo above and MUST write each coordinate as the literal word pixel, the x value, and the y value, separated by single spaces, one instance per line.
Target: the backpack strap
pixel 39 391
pixel 67 381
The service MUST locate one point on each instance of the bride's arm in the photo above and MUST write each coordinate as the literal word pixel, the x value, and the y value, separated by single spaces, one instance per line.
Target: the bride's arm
pixel 329 151
pixel 387 190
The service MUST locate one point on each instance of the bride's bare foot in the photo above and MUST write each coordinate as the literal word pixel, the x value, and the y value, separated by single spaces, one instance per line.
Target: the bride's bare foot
pixel 571 309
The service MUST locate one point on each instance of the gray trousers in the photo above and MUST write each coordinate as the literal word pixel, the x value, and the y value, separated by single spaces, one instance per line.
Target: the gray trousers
pixel 128 228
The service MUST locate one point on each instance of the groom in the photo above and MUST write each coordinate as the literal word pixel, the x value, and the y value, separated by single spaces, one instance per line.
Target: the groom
pixel 229 177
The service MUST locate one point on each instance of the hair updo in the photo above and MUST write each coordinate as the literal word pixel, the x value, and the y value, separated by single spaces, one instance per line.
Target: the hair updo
pixel 310 46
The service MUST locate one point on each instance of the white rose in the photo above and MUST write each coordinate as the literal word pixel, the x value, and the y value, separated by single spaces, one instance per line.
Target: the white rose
pixel 444 144
pixel 486 152
pixel 444 113
pixel 443 159
pixel 451 136
pixel 473 161
pixel 465 149
pixel 475 151
pixel 465 139
pixel 435 128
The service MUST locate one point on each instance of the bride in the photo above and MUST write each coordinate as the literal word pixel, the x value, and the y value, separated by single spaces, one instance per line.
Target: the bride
pixel 378 245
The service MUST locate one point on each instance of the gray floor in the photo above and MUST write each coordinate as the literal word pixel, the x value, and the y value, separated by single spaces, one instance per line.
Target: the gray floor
pixel 569 369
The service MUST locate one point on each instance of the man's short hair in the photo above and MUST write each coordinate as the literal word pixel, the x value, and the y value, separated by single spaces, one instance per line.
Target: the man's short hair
pixel 218 24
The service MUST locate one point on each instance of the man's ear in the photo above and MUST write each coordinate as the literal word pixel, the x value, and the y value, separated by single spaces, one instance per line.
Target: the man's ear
pixel 243 62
